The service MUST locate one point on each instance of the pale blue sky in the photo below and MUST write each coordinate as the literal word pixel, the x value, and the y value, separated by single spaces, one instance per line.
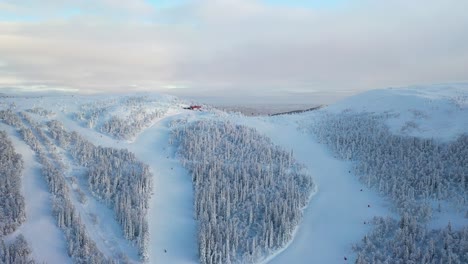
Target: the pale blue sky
pixel 273 47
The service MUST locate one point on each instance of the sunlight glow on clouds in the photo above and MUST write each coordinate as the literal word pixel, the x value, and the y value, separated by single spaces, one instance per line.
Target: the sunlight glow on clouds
pixel 266 46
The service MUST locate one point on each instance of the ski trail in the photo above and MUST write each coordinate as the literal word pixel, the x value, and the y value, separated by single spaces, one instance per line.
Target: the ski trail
pixel 171 224
pixel 40 230
pixel 335 216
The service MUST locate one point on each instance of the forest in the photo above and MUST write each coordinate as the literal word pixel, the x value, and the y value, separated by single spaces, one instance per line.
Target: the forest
pixel 121 119
pixel 411 171
pixel 416 174
pixel 249 193
pixel 12 212
pixel 117 178
pixel 114 176
pixel 12 206
pixel 408 241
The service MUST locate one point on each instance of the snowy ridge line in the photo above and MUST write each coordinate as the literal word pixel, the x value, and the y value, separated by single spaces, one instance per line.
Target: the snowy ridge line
pixel 124 118
pixel 434 111
pixel 253 211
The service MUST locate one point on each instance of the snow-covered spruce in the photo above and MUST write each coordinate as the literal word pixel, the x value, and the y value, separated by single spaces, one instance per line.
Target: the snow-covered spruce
pixel 248 192
pixel 16 252
pixel 407 241
pixel 12 208
pixel 10 118
pixel 41 112
pixel 116 177
pixel 139 113
pixel 411 171
pixel 80 247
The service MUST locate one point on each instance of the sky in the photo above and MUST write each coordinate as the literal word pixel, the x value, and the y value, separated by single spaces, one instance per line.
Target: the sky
pixel 231 48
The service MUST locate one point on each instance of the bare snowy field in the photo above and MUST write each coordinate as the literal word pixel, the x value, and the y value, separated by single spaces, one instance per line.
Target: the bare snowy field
pixel 175 207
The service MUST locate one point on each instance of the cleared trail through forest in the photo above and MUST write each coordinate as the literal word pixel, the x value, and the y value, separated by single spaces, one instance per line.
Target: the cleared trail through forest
pixel 172 226
pixel 335 217
pixel 52 247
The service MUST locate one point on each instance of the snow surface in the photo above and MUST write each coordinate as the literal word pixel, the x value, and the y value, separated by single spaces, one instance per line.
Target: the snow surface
pixel 335 217
pixel 172 225
pixel 100 222
pixel 438 111
pixel 40 230
pixel 333 220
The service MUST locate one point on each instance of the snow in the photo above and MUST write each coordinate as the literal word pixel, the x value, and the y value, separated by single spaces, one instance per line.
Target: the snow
pixel 437 111
pixel 100 223
pixel 171 223
pixel 333 220
pixel 40 230
pixel 335 216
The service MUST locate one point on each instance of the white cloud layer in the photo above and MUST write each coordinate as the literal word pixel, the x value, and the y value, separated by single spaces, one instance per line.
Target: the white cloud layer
pixel 232 45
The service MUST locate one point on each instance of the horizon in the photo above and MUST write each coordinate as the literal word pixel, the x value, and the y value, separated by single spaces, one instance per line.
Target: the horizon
pixel 295 50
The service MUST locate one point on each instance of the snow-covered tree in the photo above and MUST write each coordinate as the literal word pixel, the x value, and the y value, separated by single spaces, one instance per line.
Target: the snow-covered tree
pixel 248 192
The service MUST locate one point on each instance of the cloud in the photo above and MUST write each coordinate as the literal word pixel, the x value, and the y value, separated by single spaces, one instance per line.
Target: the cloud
pixel 234 45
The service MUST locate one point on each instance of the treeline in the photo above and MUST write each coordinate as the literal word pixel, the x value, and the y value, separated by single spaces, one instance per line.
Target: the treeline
pixel 407 241
pixel 81 247
pixel 40 111
pixel 10 118
pixel 17 252
pixel 116 177
pixel 411 171
pixel 12 206
pixel 140 113
pixel 248 192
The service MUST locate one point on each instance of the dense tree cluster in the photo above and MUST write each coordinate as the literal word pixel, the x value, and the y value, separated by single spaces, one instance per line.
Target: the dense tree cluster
pixel 10 118
pixel 40 111
pixel 407 241
pixel 248 192
pixel 12 204
pixel 91 113
pixel 139 113
pixel 411 171
pixel 116 177
pixel 80 246
pixel 12 210
pixel 17 252
pixel 126 128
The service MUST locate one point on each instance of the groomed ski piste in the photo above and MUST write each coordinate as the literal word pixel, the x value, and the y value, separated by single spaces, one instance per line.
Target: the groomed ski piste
pixel 337 216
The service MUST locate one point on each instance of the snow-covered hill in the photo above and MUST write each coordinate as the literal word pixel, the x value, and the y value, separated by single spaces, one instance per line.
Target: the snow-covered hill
pixel 135 178
pixel 438 111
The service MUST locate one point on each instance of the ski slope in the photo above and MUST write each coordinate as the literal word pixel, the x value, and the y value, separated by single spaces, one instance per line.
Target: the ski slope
pixel 40 229
pixel 336 214
pixel 172 226
pixel 336 217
